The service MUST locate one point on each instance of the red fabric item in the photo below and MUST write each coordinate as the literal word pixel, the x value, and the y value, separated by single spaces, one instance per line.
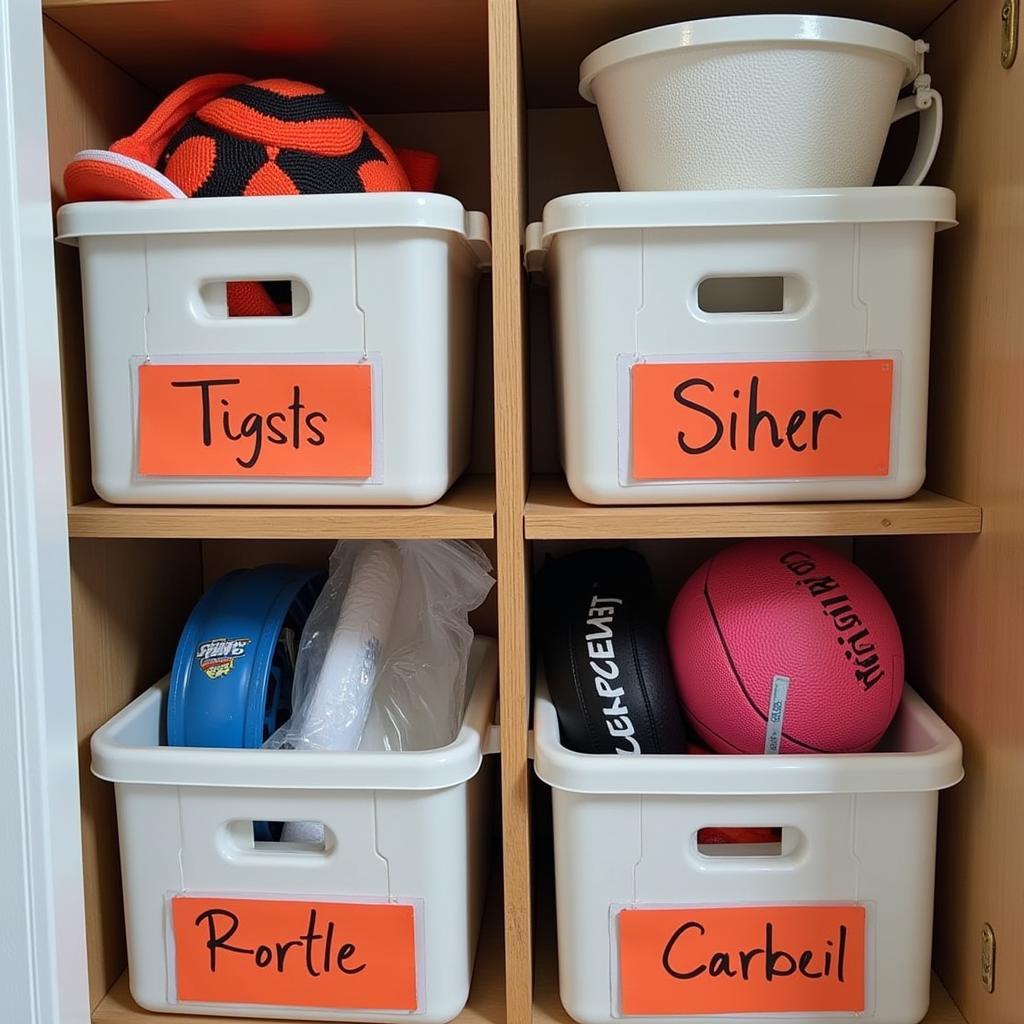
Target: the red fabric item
pixel 732 836
pixel 248 298
pixel 421 168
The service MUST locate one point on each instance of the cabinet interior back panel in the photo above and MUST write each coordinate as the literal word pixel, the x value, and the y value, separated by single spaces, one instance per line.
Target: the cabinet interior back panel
pixel 388 55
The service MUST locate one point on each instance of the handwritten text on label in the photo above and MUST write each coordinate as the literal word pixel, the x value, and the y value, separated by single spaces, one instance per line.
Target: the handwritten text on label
pixel 786 418
pixel 260 420
pixel 355 956
pixel 789 959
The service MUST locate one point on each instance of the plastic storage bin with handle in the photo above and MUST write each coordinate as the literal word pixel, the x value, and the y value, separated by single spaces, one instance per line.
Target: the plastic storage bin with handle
pixel 383 312
pixel 401 830
pixel 760 101
pixel 857 850
pixel 741 346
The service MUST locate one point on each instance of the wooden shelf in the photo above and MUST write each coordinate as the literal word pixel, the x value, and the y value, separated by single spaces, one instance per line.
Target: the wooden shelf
pixel 552 513
pixel 486 998
pixel 548 1008
pixel 466 512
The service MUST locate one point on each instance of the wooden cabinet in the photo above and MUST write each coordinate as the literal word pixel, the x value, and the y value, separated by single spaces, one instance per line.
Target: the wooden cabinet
pixel 490 85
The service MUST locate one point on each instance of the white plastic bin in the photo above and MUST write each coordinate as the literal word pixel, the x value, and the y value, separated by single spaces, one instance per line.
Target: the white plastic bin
pixel 823 296
pixel 759 101
pixel 402 829
pixel 858 832
pixel 382 281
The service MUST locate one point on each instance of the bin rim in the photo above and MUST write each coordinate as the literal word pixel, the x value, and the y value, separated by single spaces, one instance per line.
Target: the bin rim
pixel 118 757
pixel 890 204
pixel 937 765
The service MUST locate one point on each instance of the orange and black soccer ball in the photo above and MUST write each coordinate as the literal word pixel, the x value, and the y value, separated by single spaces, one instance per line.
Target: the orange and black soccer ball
pixel 278 137
pixel 225 135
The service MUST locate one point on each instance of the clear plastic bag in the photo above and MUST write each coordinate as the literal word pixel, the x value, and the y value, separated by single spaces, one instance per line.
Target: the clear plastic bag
pixel 383 657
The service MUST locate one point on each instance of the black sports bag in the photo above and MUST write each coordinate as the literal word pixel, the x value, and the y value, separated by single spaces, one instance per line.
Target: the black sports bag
pixel 602 641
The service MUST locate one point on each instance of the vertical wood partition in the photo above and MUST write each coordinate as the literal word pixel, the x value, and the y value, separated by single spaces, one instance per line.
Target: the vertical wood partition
pixel 511 475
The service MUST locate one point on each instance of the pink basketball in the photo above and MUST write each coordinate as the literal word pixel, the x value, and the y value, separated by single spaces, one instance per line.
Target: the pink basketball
pixel 785 646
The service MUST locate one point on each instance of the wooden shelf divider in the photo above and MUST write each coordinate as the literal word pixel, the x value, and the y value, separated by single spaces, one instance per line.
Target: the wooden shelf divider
pixel 466 512
pixel 512 66
pixel 553 513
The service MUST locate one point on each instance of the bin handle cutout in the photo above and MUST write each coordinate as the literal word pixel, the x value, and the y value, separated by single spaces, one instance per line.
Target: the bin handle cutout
pixel 747 294
pixel 747 842
pixel 232 299
pixel 277 838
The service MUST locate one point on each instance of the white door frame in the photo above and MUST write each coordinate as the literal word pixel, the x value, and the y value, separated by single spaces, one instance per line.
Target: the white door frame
pixel 43 977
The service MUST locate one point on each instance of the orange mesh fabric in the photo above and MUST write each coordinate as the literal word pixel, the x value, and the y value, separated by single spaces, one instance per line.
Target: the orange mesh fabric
pixel 312 143
pixel 192 163
pixel 149 142
pixel 286 87
pixel 248 298
pixel 270 180
pixel 327 136
pixel 86 180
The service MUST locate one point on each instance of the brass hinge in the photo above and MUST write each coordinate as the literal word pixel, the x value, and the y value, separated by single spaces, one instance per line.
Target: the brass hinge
pixel 988 958
pixel 1011 22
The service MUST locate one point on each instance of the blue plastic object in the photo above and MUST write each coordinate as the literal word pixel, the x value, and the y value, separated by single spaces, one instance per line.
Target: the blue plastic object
pixel 232 675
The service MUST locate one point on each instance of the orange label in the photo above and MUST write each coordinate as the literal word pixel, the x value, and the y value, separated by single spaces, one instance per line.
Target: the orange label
pixel 264 420
pixel 352 956
pixel 690 961
pixel 828 417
